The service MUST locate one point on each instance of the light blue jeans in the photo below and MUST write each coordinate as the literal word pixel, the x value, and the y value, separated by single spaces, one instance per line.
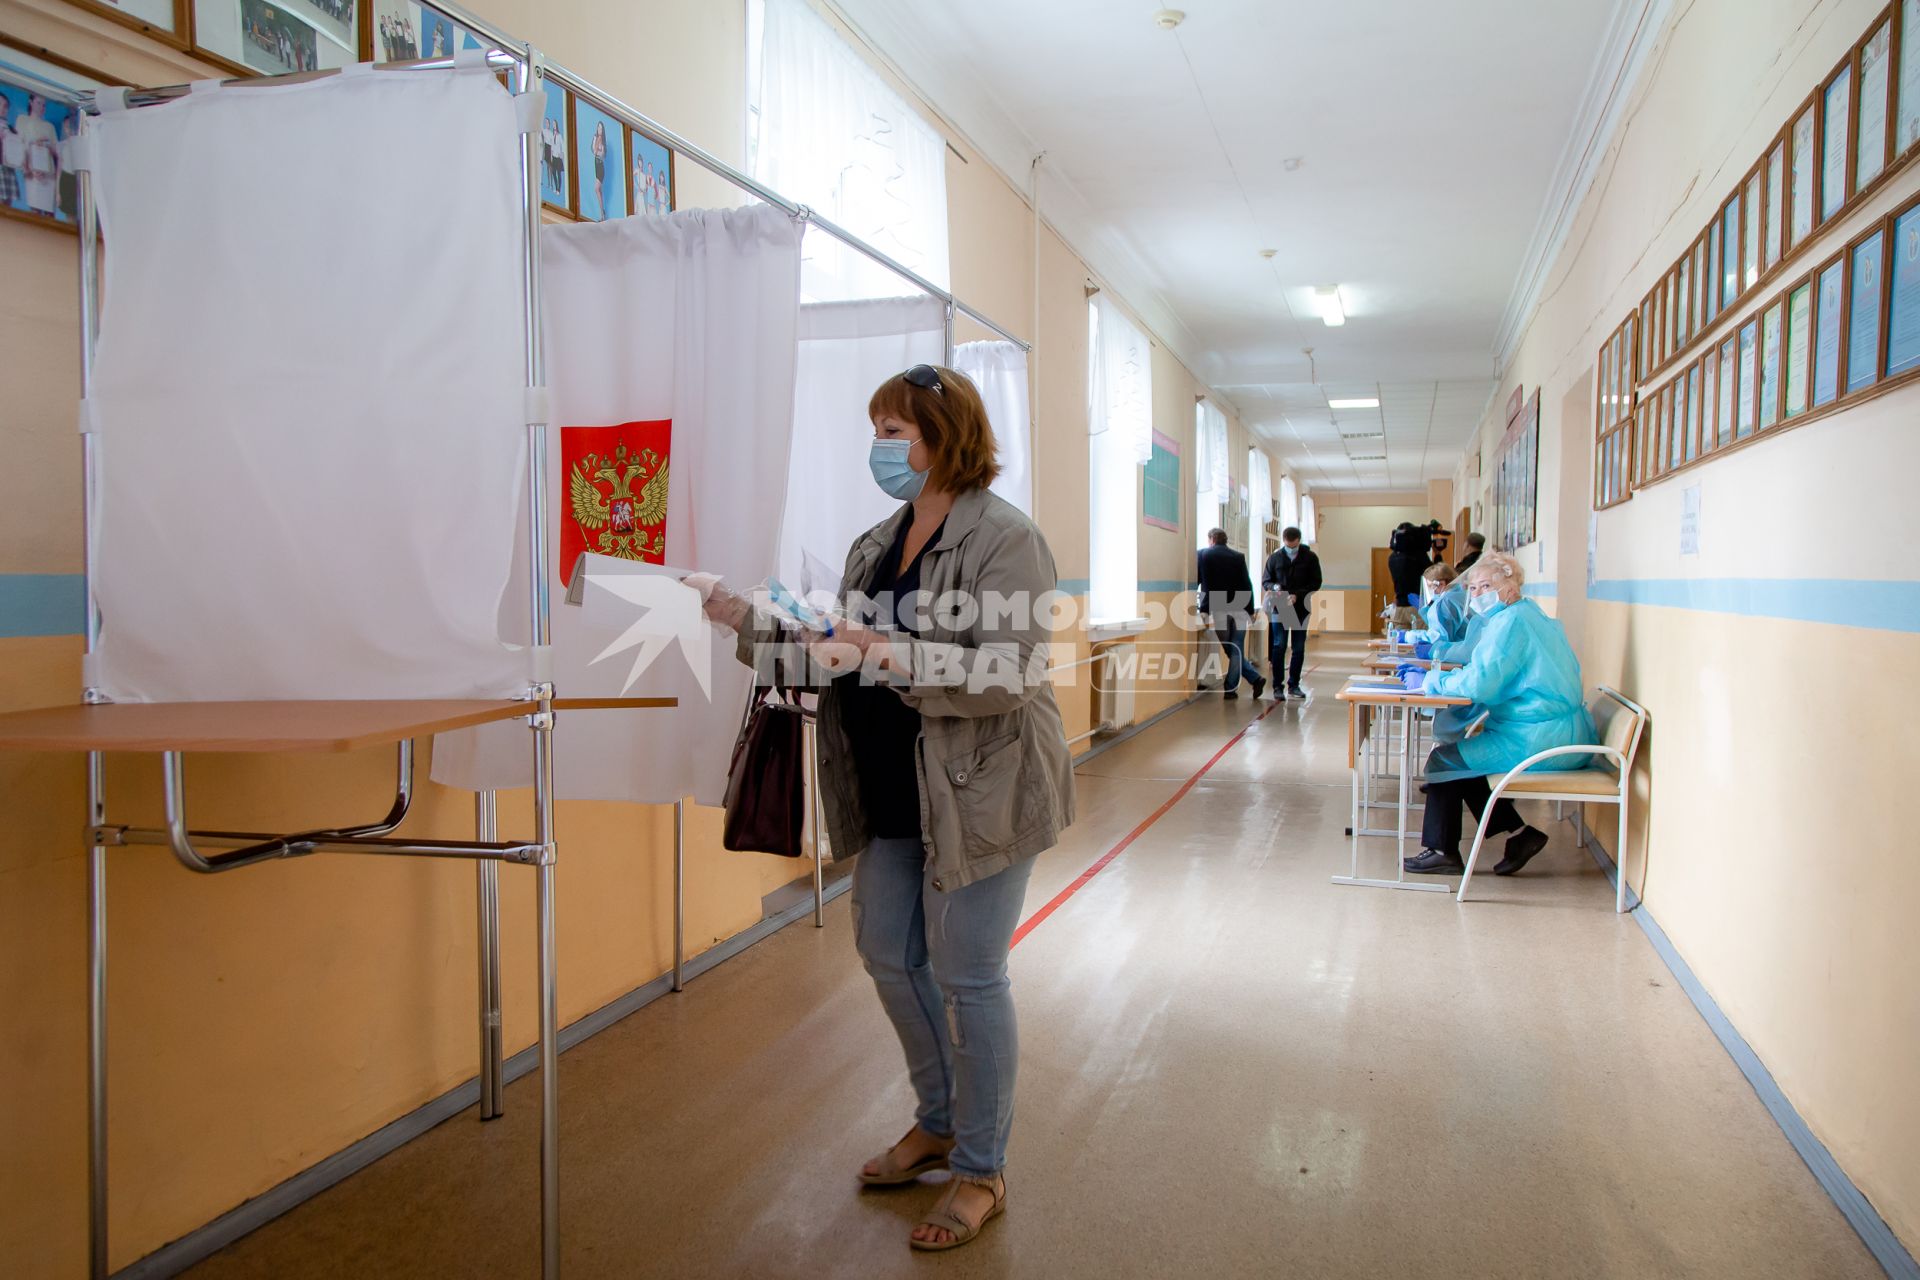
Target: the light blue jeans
pixel 939 961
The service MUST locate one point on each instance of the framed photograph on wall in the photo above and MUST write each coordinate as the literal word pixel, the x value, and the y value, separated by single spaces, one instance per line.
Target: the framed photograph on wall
pixel 1729 393
pixel 1774 243
pixel 653 171
pixel 1770 334
pixel 1873 136
pixel 1866 285
pixel 1836 151
pixel 268 38
pixel 1903 307
pixel 1799 349
pixel 599 163
pixel 556 149
pixel 1908 108
pixel 1744 423
pixel 1802 176
pixel 35 183
pixel 335 20
pixel 164 20
pixel 402 31
pixel 1829 302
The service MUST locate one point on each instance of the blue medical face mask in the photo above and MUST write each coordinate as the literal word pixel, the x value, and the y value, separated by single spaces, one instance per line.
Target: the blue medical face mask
pixel 1486 604
pixel 1291 551
pixel 887 459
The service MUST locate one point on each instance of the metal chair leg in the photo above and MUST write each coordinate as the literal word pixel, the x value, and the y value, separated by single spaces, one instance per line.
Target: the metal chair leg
pixel 1620 862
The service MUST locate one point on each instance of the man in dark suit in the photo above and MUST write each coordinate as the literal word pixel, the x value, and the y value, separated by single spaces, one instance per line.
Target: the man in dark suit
pixel 1226 597
pixel 1291 576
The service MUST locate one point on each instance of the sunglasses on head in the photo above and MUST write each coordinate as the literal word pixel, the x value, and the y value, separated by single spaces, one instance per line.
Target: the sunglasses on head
pixel 925 376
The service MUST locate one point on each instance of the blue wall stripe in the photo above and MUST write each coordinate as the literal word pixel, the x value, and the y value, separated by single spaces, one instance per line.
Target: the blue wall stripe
pixel 1346 586
pixel 1542 590
pixel 1074 586
pixel 1853 1205
pixel 1882 605
pixel 42 604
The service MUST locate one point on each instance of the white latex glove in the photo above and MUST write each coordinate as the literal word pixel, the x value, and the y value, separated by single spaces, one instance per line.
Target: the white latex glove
pixel 723 606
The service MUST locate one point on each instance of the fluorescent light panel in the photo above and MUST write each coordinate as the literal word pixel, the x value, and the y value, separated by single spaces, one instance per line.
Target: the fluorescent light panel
pixel 1327 299
pixel 1363 402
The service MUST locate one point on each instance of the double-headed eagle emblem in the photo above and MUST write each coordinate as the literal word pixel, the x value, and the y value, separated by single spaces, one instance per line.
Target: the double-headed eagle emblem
pixel 614 520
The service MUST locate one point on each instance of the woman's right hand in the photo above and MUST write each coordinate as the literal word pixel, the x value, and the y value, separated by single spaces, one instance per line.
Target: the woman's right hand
pixel 723 606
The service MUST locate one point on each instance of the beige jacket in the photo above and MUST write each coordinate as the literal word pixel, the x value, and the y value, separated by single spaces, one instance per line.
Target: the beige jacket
pixel 996 778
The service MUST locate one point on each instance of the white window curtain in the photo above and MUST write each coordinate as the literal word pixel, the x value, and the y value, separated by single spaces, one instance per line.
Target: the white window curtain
pixel 1307 521
pixel 999 370
pixel 1120 424
pixel 846 350
pixel 1210 469
pixel 1259 503
pixel 1123 362
pixel 1289 503
pixel 827 131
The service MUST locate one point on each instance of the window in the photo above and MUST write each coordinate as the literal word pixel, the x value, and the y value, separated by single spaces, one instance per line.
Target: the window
pixel 1209 470
pixel 824 129
pixel 1120 424
pixel 1259 504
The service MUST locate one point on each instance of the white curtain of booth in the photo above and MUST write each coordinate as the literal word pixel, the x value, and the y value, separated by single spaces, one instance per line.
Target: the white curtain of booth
pixel 692 317
pixel 308 392
pixel 832 135
pixel 999 370
pixel 1307 519
pixel 846 350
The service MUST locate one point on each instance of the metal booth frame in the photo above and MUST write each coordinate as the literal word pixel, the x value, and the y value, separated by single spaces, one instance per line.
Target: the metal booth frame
pixel 214 852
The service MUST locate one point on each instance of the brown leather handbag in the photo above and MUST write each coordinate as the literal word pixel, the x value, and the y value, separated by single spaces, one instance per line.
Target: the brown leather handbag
pixel 766 782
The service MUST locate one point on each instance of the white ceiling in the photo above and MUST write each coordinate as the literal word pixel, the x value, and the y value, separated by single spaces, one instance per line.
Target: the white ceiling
pixel 1429 139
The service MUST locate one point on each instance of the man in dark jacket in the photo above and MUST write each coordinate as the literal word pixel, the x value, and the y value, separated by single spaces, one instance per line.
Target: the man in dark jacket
pixel 1288 582
pixel 1226 597
pixel 1476 543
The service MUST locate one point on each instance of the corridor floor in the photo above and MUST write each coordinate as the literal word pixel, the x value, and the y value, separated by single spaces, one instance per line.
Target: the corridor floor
pixel 1229 1067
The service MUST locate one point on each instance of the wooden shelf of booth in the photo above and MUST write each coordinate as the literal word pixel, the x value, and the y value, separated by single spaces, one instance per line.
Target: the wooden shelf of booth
pixel 258 726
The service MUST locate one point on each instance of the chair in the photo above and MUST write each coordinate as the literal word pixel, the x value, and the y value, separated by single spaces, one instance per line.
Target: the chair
pixel 1620 722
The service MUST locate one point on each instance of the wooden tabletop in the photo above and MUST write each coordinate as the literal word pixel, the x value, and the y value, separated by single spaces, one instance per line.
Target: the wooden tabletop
pixel 243 726
pixel 1388 698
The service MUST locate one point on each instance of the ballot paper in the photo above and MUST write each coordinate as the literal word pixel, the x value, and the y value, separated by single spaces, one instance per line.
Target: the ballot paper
pixel 604 568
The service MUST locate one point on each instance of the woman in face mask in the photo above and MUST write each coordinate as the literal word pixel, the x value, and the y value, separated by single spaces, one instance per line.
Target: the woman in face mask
pixel 943 763
pixel 1524 677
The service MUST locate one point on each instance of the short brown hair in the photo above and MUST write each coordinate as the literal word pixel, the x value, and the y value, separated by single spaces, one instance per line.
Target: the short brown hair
pixel 953 422
pixel 1441 571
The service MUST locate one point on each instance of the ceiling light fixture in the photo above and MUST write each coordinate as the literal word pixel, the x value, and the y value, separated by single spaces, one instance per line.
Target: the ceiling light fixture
pixel 1367 457
pixel 1363 435
pixel 1327 298
pixel 1358 402
pixel 1168 19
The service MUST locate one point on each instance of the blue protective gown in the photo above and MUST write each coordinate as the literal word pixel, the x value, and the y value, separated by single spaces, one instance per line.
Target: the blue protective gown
pixel 1447 617
pixel 1524 676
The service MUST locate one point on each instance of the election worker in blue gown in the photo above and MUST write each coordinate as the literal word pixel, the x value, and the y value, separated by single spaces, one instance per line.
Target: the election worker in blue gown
pixel 1524 678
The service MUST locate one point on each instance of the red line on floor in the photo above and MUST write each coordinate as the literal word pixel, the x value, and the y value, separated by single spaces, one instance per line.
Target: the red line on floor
pixel 1033 921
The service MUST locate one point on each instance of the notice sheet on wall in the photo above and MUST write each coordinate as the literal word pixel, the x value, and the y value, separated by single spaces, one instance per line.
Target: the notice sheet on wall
pixel 1690 520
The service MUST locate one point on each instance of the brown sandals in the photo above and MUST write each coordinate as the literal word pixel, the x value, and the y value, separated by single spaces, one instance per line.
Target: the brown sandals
pixel 894 1174
pixel 942 1215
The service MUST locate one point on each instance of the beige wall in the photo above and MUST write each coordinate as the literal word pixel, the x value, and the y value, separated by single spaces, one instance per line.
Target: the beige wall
pixel 1768 840
pixel 263 1021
